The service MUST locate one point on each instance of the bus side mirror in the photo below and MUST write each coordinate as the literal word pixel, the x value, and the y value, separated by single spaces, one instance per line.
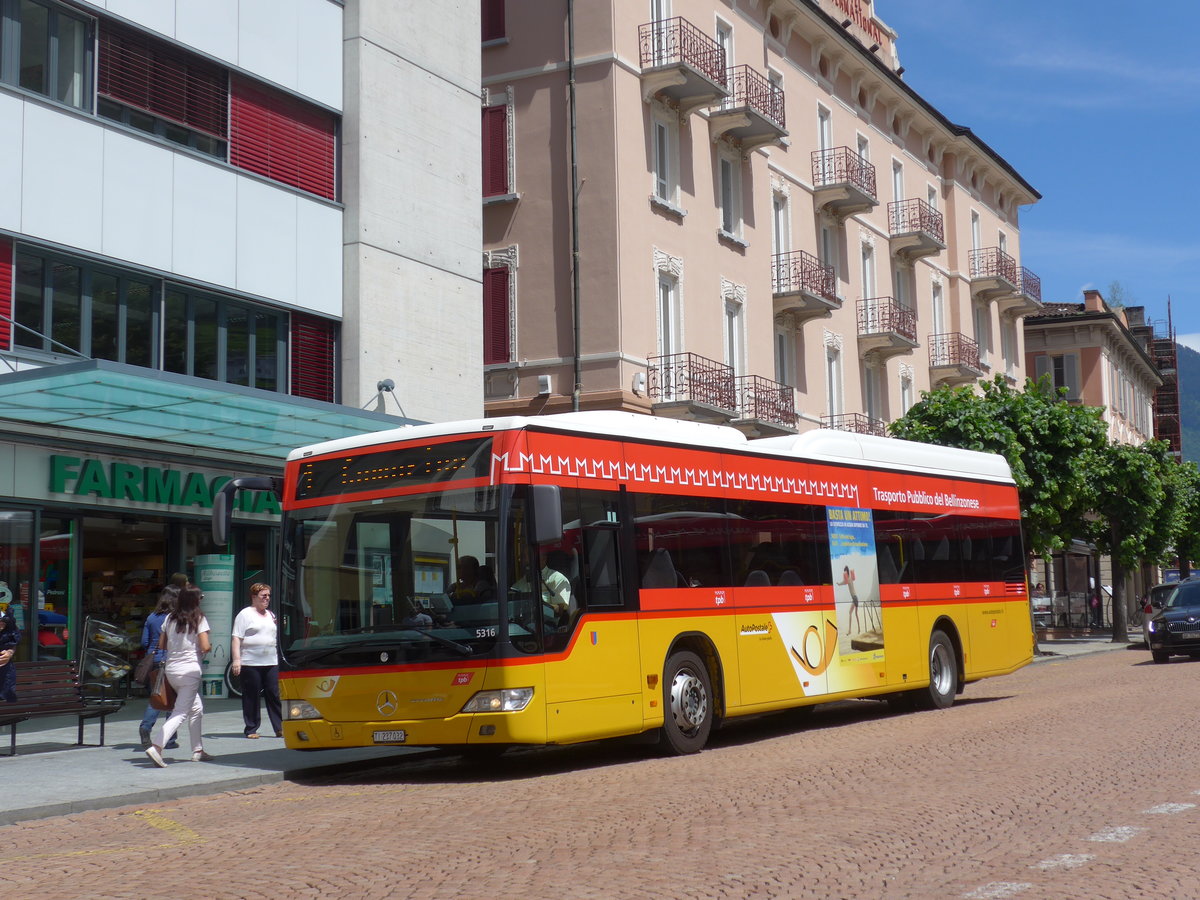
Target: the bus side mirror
pixel 222 507
pixel 547 513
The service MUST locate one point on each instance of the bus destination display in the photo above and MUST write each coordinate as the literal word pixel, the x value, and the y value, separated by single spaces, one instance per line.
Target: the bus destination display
pixel 400 467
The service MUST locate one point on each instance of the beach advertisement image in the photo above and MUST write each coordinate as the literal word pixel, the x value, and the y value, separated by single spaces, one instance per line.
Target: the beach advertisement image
pixel 855 584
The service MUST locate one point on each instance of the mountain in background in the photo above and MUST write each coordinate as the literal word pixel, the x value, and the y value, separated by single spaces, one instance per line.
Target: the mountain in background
pixel 1189 402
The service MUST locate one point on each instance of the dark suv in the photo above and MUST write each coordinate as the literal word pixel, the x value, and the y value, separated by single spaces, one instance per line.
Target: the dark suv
pixel 1176 629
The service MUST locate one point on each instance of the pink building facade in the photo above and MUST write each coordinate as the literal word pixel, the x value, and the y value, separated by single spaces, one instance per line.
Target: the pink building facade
pixel 774 230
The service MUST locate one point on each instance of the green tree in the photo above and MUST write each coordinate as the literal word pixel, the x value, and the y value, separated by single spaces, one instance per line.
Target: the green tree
pixel 1187 504
pixel 1136 516
pixel 1043 439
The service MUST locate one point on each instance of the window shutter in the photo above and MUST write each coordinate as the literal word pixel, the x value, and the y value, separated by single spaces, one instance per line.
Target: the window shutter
pixel 314 358
pixel 495 316
pixel 282 138
pixel 495 151
pixel 6 294
pixel 492 19
pixel 139 71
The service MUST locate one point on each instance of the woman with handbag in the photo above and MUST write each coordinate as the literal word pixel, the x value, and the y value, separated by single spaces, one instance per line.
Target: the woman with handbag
pixel 147 669
pixel 185 638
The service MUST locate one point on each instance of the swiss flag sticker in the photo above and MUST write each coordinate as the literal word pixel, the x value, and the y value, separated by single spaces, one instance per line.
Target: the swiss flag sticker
pixel 463 678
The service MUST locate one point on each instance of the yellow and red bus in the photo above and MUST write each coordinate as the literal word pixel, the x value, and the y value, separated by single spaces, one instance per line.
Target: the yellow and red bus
pixel 557 579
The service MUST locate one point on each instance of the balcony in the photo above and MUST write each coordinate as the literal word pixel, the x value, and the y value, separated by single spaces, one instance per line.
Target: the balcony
pixel 765 407
pixel 752 114
pixel 1027 301
pixel 843 182
pixel 689 386
pixel 993 274
pixel 917 229
pixel 682 64
pixel 953 359
pixel 856 422
pixel 886 328
pixel 803 286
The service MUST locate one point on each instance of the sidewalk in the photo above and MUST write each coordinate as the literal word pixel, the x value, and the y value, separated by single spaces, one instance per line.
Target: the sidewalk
pixel 1077 644
pixel 50 776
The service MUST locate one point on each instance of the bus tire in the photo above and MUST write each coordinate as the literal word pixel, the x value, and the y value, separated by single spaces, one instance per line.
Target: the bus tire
pixel 943 674
pixel 687 704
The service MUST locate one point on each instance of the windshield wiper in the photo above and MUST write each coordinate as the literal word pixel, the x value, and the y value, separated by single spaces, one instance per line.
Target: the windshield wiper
pixel 461 649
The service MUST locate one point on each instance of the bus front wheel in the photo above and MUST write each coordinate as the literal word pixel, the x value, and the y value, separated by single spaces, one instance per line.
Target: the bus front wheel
pixel 687 704
pixel 943 674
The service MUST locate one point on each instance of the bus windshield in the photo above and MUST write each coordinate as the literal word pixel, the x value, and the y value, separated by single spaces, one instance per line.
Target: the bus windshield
pixel 409 580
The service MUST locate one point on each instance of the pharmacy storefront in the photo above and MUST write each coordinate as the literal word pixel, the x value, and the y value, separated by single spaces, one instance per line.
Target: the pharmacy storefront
pixel 94 522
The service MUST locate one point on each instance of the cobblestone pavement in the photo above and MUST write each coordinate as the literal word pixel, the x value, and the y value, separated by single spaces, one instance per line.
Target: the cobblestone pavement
pixel 1071 779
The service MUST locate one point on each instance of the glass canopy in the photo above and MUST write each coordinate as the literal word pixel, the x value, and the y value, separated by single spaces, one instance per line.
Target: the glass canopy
pixel 128 401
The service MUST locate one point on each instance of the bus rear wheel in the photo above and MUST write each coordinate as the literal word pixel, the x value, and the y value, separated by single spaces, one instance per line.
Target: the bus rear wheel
pixel 943 674
pixel 687 704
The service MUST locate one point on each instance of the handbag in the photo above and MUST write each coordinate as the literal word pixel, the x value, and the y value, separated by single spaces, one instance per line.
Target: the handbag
pixel 162 697
pixel 144 673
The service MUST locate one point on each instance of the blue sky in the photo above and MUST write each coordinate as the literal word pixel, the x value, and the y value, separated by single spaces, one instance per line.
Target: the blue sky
pixel 1095 104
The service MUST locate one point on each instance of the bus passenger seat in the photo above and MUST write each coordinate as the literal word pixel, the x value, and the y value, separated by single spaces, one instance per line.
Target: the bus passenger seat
pixel 758 578
pixel 660 571
pixel 790 577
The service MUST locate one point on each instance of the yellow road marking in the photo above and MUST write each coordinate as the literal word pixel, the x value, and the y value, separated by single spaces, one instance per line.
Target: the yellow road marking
pixel 181 833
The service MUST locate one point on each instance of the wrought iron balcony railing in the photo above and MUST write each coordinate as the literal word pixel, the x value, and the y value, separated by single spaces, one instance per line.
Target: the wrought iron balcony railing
pixel 992 262
pixel 856 422
pixel 953 349
pixel 841 165
pixel 801 271
pixel 689 377
pixel 765 400
pixel 879 315
pixel 673 41
pixel 749 88
pixel 1030 285
pixel 906 216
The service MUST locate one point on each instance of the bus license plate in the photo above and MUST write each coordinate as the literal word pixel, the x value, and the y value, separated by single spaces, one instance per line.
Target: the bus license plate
pixel 390 737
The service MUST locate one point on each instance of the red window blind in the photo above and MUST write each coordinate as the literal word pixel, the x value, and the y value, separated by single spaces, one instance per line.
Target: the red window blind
pixel 282 138
pixel 139 71
pixel 492 19
pixel 314 358
pixel 495 151
pixel 495 316
pixel 6 294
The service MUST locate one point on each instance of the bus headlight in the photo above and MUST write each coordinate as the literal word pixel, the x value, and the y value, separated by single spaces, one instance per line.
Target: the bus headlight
pixel 506 700
pixel 300 709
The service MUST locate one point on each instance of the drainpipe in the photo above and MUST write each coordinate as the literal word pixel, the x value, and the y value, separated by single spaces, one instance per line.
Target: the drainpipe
pixel 574 211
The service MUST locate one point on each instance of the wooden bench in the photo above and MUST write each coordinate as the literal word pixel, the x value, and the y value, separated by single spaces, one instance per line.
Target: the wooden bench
pixel 51 688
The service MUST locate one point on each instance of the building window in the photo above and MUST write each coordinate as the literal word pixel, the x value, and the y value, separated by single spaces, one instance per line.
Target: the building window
pixel 282 138
pixel 897 181
pixel 491 18
pixel 872 377
pixel 735 336
pixel 730 177
pixel 976 234
pixel 496 151
pixel 669 326
pixel 65 306
pixel 781 229
pixel 931 196
pixel 46 49
pixel 833 378
pixel 983 332
pixel 496 316
pixel 6 297
pixel 162 90
pixel 938 310
pixel 785 354
pixel 906 390
pixel 665 131
pixel 314 358
pixel 1063 370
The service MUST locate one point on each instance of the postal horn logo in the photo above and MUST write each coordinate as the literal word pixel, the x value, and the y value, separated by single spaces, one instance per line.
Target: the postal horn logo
pixel 386 703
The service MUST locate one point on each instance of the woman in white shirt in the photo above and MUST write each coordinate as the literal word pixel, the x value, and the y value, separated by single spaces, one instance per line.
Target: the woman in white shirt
pixel 255 659
pixel 185 638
